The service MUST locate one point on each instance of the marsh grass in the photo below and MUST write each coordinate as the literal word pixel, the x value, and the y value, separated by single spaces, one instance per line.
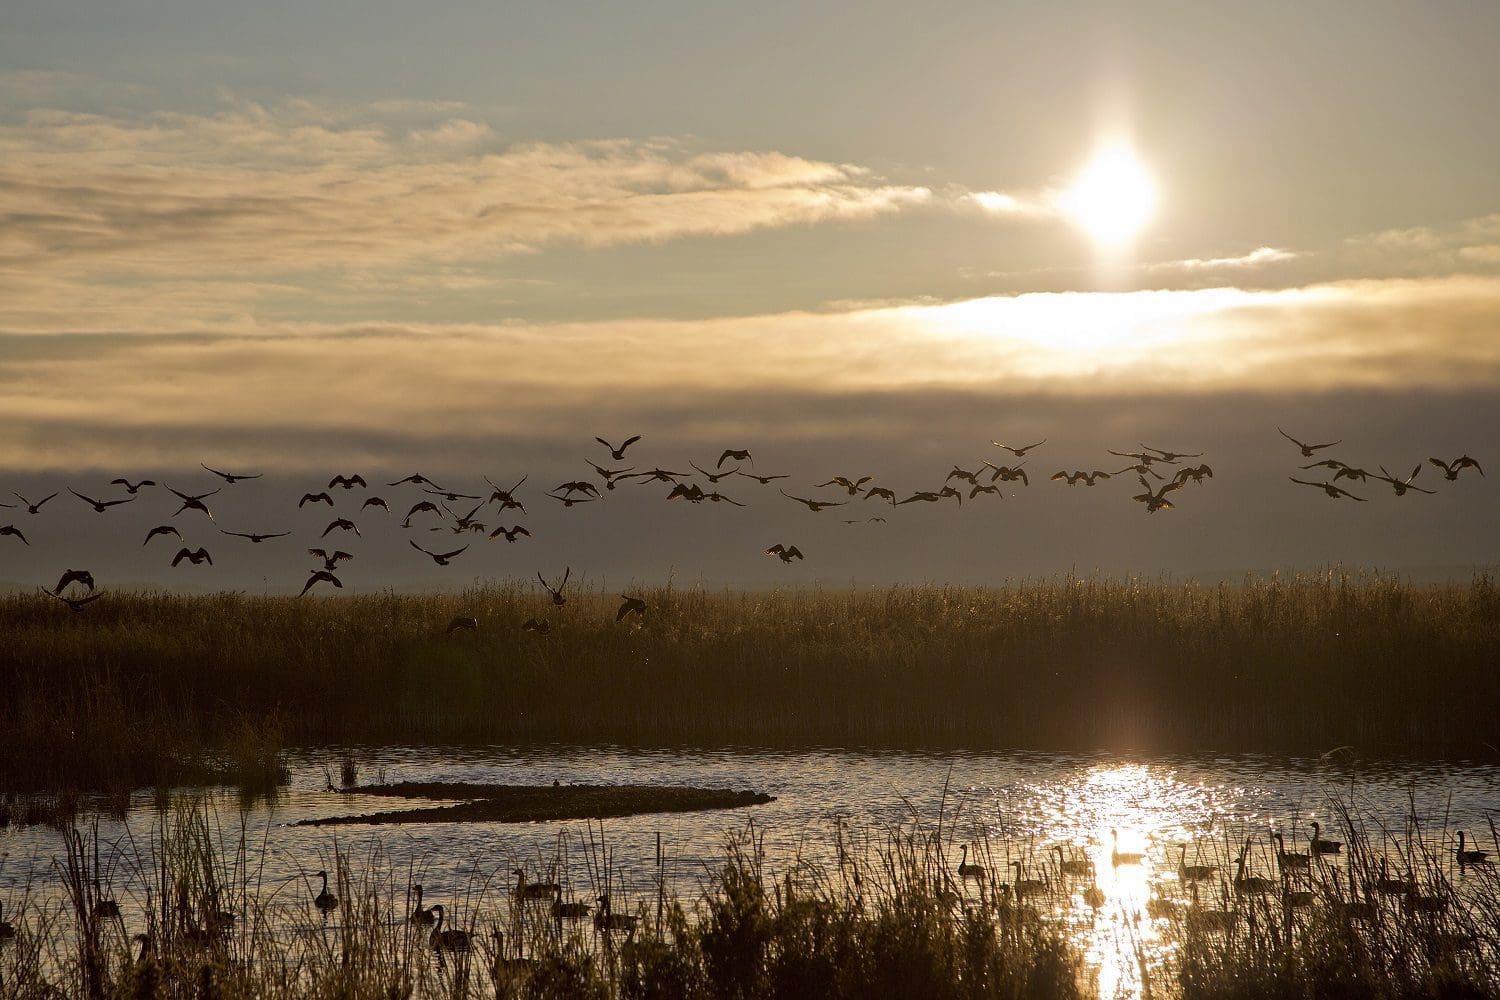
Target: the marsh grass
pixel 143 688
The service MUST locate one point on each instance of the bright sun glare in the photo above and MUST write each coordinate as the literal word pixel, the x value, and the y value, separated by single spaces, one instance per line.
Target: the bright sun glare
pixel 1112 198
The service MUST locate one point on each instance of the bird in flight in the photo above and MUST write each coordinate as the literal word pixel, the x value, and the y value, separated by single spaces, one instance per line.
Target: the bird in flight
pixel 330 562
pixel 813 505
pixel 1157 500
pixel 786 553
pixel 1074 478
pixel 418 508
pixel 691 492
pixel 11 529
pixel 506 498
pixel 1171 457
pixel 81 576
pixel 196 556
pixel 321 576
pixel 608 475
pixel 341 522
pixel 36 508
pixel 1333 492
pixel 1450 470
pixel 713 477
pixel 418 478
pixel 191 502
pixel 230 477
pixel 717 497
pixel 1402 485
pixel 1308 449
pixel 618 454
pixel 852 486
pixel 348 482
pixel 441 558
pixel 570 500
pixel 577 486
pixel 557 592
pixel 99 505
pixel 1008 473
pixel 255 537
pixel 452 496
pixel 991 488
pixel 1141 457
pixel 970 477
pixel 656 476
pixel 1018 452
pixel 509 533
pixel 161 529
pixel 375 502
pixel 75 603
pixel 129 488
pixel 763 480
pixel 1142 469
pixel 1197 473
pixel 632 606
pixel 738 454
pixel 308 498
pixel 882 493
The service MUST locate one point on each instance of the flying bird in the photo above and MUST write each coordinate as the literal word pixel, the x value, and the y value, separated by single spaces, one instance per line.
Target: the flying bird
pixel 813 505
pixel 417 508
pixel 36 508
pixel 1450 470
pixel 691 492
pixel 1197 473
pixel 882 493
pixel 82 576
pixel 632 606
pixel 1333 491
pixel 618 454
pixel 321 576
pixel 193 502
pixel 1140 469
pixel 308 498
pixel 467 521
pixel 232 478
pixel 557 592
pixel 786 553
pixel 99 505
pixel 950 491
pixel 441 558
pixel 970 477
pixel 1157 500
pixel 1141 457
pixel 75 603
pixel 1171 457
pixel 348 482
pixel 1402 485
pixel 656 475
pixel 738 454
pixel 506 498
pixel 255 537
pixel 1074 478
pixel 717 497
pixel 196 556
pixel 452 496
pixel 570 500
pixel 375 502
pixel 1018 452
pixel 330 562
pixel 341 522
pixel 11 529
pixel 1308 449
pixel 763 480
pixel 925 496
pixel 1009 474
pixel 853 487
pixel 161 529
pixel 509 533
pixel 608 475
pixel 577 486
pixel 991 488
pixel 417 478
pixel 132 488
pixel 713 477
pixel 1351 473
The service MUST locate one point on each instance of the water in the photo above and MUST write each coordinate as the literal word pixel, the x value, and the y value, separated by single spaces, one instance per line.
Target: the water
pixel 1014 807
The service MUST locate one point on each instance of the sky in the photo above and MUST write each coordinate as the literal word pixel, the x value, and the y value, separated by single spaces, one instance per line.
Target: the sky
pixel 465 239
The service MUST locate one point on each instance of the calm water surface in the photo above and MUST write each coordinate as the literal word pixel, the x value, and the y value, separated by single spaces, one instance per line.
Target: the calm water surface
pixel 1014 807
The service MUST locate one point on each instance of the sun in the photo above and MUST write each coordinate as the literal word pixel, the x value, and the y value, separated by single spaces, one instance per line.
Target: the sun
pixel 1112 198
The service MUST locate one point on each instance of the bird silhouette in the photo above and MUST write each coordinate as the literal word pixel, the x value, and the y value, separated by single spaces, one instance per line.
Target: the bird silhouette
pixel 1333 492
pixel 656 475
pixel 418 508
pixel 73 603
pixel 1172 456
pixel 570 500
pixel 461 622
pixel 232 478
pixel 1019 452
pixel 100 506
pixel 161 529
pixel 321 576
pixel 969 477
pixel 713 477
pixel 418 479
pixel 330 560
pixel 577 486
pixel 1141 457
pixel 691 492
pixel 1008 473
pixel 132 488
pixel 989 488
pixel 632 606
pixel 1402 485
pixel 375 502
pixel 36 508
pixel 348 482
pixel 1450 469
pixel 557 592
pixel 466 521
pixel 763 480
pixel 814 505
pixel 786 553
pixel 1157 500
pixel 308 498
pixel 1352 474
pixel 341 523
pixel 191 501
pixel 446 939
pixel 618 454
pixel 1074 478
pixel 11 529
pixel 1309 449
pixel 950 491
pixel 325 900
pixel 80 576
pixel 255 537
pixel 1197 473
pixel 853 486
pixel 608 475
pixel 1140 469
pixel 194 556
pixel 506 498
pixel 509 533
pixel 441 558
pixel 721 498
pixel 453 496
pixel 738 454
pixel 924 496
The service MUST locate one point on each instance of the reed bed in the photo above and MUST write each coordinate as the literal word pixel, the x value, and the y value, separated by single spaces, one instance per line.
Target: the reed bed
pixel 149 687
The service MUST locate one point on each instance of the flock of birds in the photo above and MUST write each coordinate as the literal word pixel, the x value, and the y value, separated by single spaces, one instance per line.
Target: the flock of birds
pixel 438 509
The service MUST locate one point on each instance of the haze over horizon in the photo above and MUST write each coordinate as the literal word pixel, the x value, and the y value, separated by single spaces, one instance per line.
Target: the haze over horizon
pixel 466 239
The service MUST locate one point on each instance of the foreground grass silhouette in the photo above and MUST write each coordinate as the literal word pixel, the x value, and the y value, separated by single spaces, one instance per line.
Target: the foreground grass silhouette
pixel 152 687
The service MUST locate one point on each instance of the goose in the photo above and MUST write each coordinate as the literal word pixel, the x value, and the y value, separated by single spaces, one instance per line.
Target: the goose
pixel 419 507
pixel 1156 500
pixel 531 891
pixel 452 496
pixel 7 929
pixel 1349 909
pixel 506 498
pixel 1021 451
pixel 1140 469
pixel 618 454
pixel 1333 492
pixel 1402 486
pixel 949 491
pixel 1074 478
pixel 882 493
pixel 501 966
pixel 1320 846
pixel 1352 474
pixel 1309 449
pixel 1008 474
pixel 738 454
pixel 1093 896
pixel 1468 857
pixel 1289 859
pixel 220 922
pixel 375 502
pixel 100 506
pixel 74 603
pixel 691 492
pixel 538 625
pixel 569 911
pixel 1025 887
pixel 1208 921
pixel 511 534
pixel 321 576
pixel 467 521
pixel 193 502
pixel 1197 473
pixel 330 561
pixel 1073 866
pixel 1118 857
pixel 608 920
pixel 763 480
pixel 11 529
pixel 416 478
pixel 441 558
pixel 327 901
pixel 1450 469
pixel 348 482
pixel 558 600
pixel 1415 902
pixel 814 505
pixel 341 523
pixel 254 537
pixel 1387 886
pixel 1249 885
pixel 129 488
pixel 450 939
pixel 1295 899
pixel 1172 456
pixel 657 475
pixel 992 488
pixel 713 477
pixel 610 475
pixel 1160 908
pixel 717 497
pixel 161 529
pixel 82 576
pixel 972 478
pixel 232 478
pixel 463 622
pixel 308 498
pixel 1193 873
pixel 195 556
pixel 1141 457
pixel 33 508
pixel 786 553
pixel 632 606
pixel 966 870
pixel 420 915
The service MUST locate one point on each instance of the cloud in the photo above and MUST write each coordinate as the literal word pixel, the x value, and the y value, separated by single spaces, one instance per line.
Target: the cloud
pixel 1019 205
pixel 1258 257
